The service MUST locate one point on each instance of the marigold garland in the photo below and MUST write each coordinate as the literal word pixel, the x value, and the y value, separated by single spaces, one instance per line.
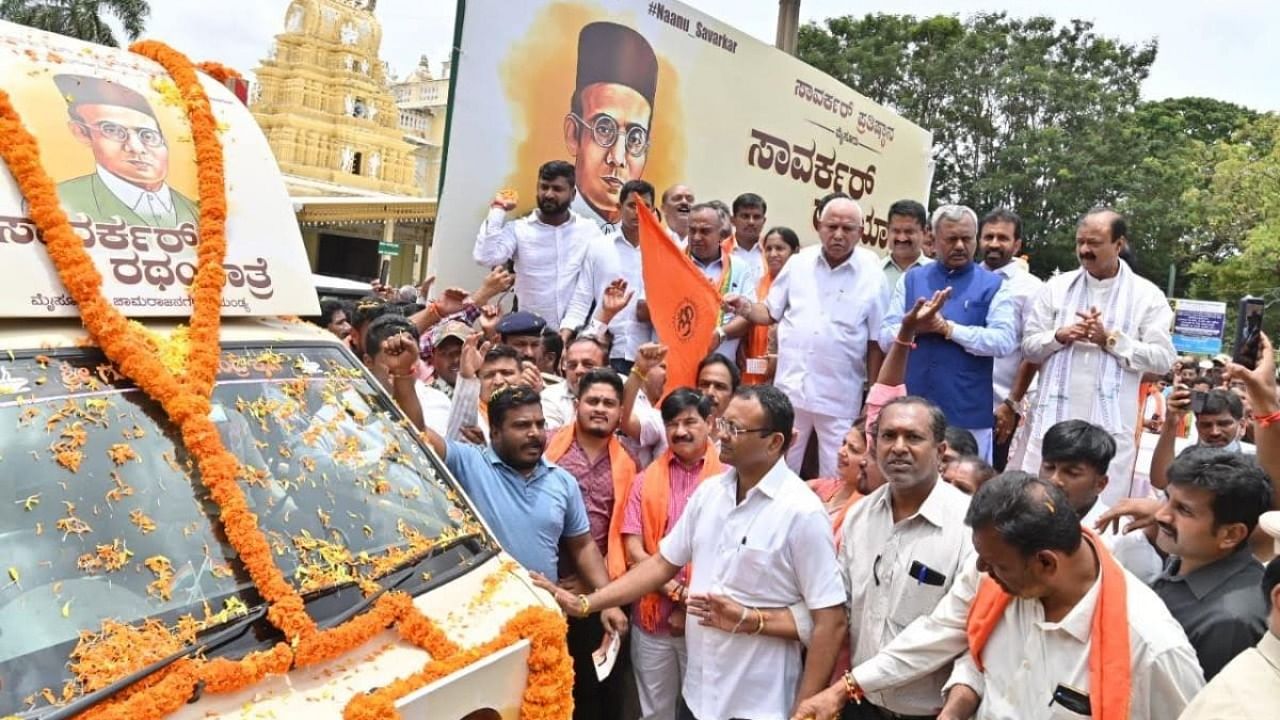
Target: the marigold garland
pixel 219 72
pixel 548 693
pixel 211 250
pixel 185 398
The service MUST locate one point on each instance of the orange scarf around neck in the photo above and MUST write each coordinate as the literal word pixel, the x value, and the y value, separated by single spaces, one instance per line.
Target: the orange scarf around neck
pixel 623 470
pixel 757 341
pixel 1110 679
pixel 655 500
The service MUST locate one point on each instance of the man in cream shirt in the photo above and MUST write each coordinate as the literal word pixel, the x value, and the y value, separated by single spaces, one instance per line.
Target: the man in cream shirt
pixel 903 546
pixel 1095 332
pixel 1034 663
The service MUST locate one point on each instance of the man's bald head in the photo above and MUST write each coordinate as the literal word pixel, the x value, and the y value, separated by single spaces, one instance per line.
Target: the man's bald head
pixel 677 202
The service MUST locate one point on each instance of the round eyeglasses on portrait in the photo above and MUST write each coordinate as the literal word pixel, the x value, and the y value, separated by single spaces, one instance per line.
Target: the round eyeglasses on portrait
pixel 604 131
pixel 118 133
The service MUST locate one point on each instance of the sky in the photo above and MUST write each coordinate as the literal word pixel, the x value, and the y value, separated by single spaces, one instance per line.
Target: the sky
pixel 1221 49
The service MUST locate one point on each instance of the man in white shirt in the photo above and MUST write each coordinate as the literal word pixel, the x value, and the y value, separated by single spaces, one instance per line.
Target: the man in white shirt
pixel 828 302
pixel 758 535
pixel 1095 331
pixel 1024 622
pixel 749 216
pixel 436 397
pixel 618 256
pixel 902 547
pixel 908 222
pixel 547 246
pixel 999 244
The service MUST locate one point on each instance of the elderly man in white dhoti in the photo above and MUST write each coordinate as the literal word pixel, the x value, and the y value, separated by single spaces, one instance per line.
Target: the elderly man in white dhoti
pixel 1096 331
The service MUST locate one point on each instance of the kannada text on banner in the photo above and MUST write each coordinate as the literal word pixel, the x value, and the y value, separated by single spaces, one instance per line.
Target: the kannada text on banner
pixel 628 89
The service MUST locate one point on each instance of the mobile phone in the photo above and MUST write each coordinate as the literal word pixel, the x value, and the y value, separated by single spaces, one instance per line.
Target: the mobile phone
pixel 1197 401
pixel 384 272
pixel 1076 701
pixel 1248 332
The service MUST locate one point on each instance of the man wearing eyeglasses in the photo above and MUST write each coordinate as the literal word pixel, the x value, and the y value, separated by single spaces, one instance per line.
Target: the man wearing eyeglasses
pixel 755 534
pixel 131 154
pixel 607 127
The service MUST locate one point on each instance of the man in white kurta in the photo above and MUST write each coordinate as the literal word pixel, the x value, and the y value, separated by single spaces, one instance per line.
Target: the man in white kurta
pixel 1095 331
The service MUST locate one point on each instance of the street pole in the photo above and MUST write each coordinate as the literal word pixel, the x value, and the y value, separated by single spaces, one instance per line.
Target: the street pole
pixel 788 26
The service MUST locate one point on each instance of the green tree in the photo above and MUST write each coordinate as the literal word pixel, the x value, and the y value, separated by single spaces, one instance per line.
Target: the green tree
pixel 1026 113
pixel 1177 142
pixel 1238 211
pixel 83 19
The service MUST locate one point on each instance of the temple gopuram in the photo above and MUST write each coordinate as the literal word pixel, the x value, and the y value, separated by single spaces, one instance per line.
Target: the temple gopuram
pixel 325 104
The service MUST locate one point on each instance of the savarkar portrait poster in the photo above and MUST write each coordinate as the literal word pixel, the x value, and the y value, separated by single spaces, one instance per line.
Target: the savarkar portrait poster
pixel 114 137
pixel 628 89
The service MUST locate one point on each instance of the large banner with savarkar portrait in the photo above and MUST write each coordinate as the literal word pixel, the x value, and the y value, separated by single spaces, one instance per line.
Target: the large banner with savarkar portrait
pixel 628 89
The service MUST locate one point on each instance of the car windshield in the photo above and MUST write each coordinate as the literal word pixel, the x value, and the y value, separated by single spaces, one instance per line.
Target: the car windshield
pixel 104 520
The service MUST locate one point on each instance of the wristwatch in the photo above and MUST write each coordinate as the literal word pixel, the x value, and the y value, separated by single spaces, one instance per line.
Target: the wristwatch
pixel 1113 339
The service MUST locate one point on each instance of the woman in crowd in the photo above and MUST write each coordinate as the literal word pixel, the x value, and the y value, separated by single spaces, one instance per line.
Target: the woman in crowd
pixel 757 354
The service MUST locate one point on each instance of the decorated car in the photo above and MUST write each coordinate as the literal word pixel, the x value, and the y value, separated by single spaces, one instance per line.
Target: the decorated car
pixel 209 508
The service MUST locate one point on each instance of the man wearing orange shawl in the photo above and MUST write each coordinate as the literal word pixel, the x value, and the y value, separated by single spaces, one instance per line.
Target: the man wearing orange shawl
pixel 653 506
pixel 1055 628
pixel 589 450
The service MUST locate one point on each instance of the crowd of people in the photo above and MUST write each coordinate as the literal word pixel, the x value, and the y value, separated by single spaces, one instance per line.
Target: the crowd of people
pixel 900 487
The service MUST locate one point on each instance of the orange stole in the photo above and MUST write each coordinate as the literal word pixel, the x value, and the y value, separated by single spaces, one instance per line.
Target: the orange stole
pixel 655 499
pixel 623 470
pixel 756 344
pixel 1110 668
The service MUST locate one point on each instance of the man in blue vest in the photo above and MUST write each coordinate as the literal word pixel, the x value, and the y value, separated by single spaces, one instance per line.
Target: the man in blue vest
pixel 952 358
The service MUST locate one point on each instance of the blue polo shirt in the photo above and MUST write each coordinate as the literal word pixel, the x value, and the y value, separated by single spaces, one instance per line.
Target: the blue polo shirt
pixel 529 515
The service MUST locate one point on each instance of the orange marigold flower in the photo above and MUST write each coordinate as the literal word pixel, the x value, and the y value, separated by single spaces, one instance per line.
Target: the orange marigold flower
pixel 121 453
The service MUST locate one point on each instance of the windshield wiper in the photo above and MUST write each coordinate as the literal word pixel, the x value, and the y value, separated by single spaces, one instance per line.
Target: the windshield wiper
pixel 395 580
pixel 213 642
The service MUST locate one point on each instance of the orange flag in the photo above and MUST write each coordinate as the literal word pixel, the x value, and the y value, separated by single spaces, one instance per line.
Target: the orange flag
pixel 683 305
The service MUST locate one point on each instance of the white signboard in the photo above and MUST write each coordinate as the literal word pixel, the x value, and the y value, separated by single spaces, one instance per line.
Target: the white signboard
pixel 114 137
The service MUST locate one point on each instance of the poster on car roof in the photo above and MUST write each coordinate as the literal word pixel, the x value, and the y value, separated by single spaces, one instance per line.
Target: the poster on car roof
pixel 632 89
pixel 113 136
